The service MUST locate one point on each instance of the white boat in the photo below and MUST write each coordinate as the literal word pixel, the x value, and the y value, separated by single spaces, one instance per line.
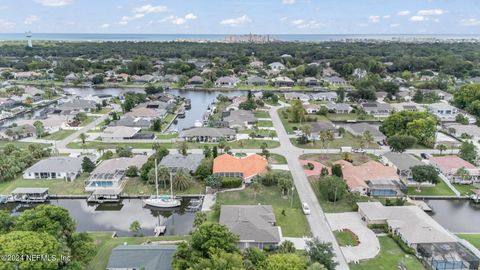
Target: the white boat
pixel 162 201
pixel 198 123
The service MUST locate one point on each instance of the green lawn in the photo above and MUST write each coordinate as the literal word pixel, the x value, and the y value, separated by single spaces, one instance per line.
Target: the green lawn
pixel 293 223
pixel 346 140
pixel 135 186
pixel 277 159
pixel 474 239
pixel 349 116
pixel 59 135
pixel 465 189
pixel 329 159
pixel 89 120
pixel 261 114
pixel 440 189
pixel 166 136
pixel 391 257
pixel 55 186
pixel 104 110
pixel 263 132
pixel 346 238
pixel 105 243
pixel 264 123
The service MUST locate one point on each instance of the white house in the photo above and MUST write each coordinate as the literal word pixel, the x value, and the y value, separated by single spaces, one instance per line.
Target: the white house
pixel 67 168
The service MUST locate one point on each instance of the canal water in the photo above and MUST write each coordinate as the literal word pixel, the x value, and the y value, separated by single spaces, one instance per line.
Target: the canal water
pixel 118 217
pixel 457 216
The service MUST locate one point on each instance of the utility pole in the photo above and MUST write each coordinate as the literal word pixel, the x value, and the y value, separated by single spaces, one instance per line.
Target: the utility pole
pixel 291 198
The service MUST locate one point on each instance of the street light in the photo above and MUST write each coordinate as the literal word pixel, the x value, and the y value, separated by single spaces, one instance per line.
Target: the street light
pixel 291 198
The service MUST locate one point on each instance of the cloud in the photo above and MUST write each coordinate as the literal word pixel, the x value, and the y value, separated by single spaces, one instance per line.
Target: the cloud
pixel 30 19
pixel 403 13
pixel 431 12
pixel 147 9
pixel 470 22
pixel 54 3
pixel 233 22
pixel 306 24
pixel 387 16
pixel 105 25
pixel 288 2
pixel 190 16
pixel 418 18
pixel 179 20
pixel 283 19
pixel 374 19
pixel 393 25
pixel 4 24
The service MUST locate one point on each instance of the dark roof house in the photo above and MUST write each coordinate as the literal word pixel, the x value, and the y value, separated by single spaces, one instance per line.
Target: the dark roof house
pixel 145 257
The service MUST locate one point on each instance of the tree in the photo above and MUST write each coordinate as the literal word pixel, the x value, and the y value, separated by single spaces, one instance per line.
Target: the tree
pixel 31 243
pixel 157 125
pixel 287 261
pixel 400 143
pixel 204 170
pixel 462 119
pixel 320 252
pixel 214 151
pixel 207 152
pixel 297 112
pixel 441 148
pixel 337 170
pixel 424 173
pixel 183 148
pixel 213 181
pixel 97 79
pixel 7 222
pixel 135 227
pixel 306 130
pixel 468 152
pixel 468 98
pixel 81 117
pixel 332 188
pixel 200 218
pixel 368 137
pixel 463 174
pixel 421 125
pixel 83 137
pixel 316 266
pixel 87 165
pixel 287 247
pixel 254 258
pixel 39 129
pixel 285 184
pixel 255 187
pixel 221 260
pixel 132 171
pixel 82 248
pixel 182 180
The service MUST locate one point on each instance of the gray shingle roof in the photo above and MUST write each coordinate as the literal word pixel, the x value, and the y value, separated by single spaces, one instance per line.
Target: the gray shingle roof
pixel 239 117
pixel 57 164
pixel 78 104
pixel 207 132
pixel 130 121
pixel 360 128
pixel 402 161
pixel 251 222
pixel 189 162
pixel 146 257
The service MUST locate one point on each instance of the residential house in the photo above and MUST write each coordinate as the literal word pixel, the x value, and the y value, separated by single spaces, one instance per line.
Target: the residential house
pixel 236 101
pixel 407 106
pixel 432 243
pixel 449 166
pixel 340 108
pixel 372 178
pixel 300 96
pixel 318 127
pixel 246 167
pixel 239 119
pixel 147 78
pixel 443 111
pixel 71 77
pixel 145 257
pixel 441 94
pixel 207 134
pixel 189 162
pixel 311 108
pixel 403 163
pixel 256 64
pixel 255 225
pixel 18 132
pixel 325 96
pixel 359 73
pixel 334 80
pixel 75 106
pixel 282 81
pixel 276 66
pixel 459 131
pixel 146 113
pixel 377 109
pixel 119 133
pixel 227 81
pixel 67 168
pixel 134 122
pixel 358 129
pixel 109 175
pixel 195 80
pixel 311 81
pixel 256 81
pixel 26 75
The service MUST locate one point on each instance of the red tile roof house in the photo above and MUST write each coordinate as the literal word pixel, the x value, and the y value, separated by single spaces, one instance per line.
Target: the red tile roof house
pixel 448 166
pixel 372 178
pixel 246 168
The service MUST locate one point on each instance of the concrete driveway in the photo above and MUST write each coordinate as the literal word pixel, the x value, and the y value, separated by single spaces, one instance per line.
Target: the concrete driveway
pixel 369 246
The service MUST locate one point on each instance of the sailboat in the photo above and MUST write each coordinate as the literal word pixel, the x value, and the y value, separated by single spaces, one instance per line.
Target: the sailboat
pixel 162 201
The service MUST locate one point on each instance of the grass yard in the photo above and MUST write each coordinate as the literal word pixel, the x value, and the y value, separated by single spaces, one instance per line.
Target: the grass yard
pixel 346 238
pixel 104 110
pixel 440 189
pixel 89 120
pixel 276 159
pixel 293 223
pixel 136 186
pixel 165 136
pixel 391 257
pixel 105 243
pixel 346 140
pixel 465 189
pixel 261 114
pixel 349 116
pixel 59 135
pixel 474 239
pixel 329 159
pixel 264 123
pixel 55 186
pixel 264 132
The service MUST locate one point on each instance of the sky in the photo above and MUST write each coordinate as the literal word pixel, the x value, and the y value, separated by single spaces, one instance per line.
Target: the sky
pixel 241 16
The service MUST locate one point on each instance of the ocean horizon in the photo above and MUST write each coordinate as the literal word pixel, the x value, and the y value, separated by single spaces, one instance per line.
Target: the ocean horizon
pixel 220 37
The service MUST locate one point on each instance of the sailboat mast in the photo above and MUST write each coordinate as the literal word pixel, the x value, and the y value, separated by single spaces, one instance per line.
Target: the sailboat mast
pixel 171 186
pixel 156 176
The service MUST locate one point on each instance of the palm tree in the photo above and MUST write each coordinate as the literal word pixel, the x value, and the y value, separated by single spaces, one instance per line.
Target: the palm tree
pixel 462 173
pixel 255 187
pixel 323 139
pixel 285 184
pixel 83 137
pixel 182 180
pixel 330 137
pixel 306 130
pixel 441 148
pixel 368 137
pixel 135 227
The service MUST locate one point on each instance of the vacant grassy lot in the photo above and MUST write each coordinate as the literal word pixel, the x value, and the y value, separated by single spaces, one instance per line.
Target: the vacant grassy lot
pixel 261 114
pixel 265 123
pixel 329 159
pixel 87 121
pixel 59 135
pixel 346 140
pixel 293 223
pixel 136 186
pixel 105 243
pixel 277 159
pixel 55 186
pixel 390 258
pixel 440 189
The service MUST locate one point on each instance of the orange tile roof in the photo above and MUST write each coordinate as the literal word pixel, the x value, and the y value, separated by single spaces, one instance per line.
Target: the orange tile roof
pixel 448 164
pixel 356 176
pixel 250 166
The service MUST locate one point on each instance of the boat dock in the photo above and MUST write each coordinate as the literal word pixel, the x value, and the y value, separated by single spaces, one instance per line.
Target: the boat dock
pixel 30 195
pixel 423 205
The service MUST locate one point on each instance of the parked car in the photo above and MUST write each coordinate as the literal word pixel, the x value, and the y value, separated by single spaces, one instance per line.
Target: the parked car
pixel 305 208
pixel 359 150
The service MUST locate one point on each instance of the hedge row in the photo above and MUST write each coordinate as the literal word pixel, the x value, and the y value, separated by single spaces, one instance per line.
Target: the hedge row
pixel 231 182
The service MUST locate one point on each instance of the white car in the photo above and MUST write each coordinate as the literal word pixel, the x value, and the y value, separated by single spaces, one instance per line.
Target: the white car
pixel 306 209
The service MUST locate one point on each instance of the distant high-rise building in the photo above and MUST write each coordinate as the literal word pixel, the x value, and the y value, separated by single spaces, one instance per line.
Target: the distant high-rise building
pixel 29 39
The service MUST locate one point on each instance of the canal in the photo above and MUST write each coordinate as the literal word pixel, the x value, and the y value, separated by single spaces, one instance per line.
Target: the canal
pixel 458 216
pixel 118 217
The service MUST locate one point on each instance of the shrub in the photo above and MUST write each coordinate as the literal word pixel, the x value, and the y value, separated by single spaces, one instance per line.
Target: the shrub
pixel 402 245
pixel 310 166
pixel 132 171
pixel 231 182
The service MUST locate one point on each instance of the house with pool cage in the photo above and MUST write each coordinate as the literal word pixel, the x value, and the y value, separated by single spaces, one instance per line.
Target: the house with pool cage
pixel 438 248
